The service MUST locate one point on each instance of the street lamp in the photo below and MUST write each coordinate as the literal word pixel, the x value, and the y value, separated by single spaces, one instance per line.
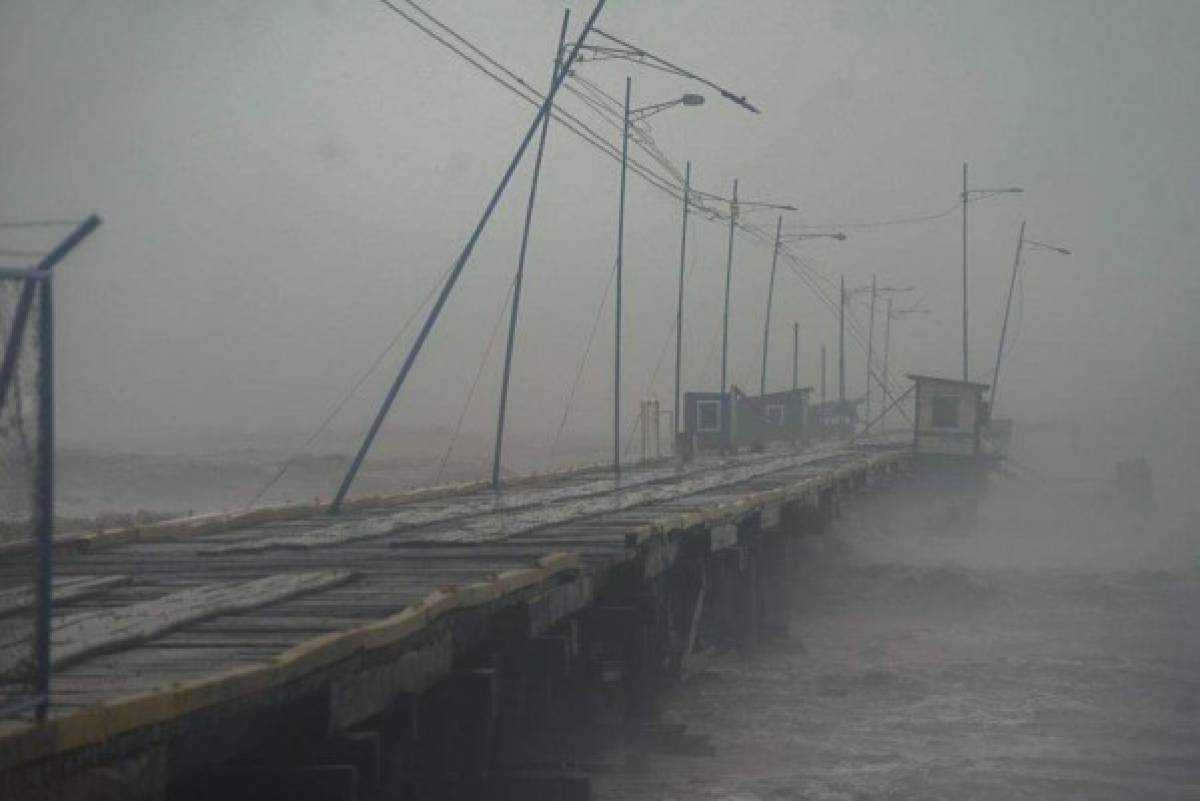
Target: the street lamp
pixel 620 49
pixel 967 195
pixel 646 111
pixel 631 115
pixel 1033 245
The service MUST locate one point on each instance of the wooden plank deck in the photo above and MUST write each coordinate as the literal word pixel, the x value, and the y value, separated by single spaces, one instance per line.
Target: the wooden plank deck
pixel 400 571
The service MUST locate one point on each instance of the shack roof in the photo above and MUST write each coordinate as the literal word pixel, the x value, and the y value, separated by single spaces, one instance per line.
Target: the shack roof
pixel 784 392
pixel 973 384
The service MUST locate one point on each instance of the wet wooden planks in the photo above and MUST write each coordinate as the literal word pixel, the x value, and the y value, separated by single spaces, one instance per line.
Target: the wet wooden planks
pixel 446 543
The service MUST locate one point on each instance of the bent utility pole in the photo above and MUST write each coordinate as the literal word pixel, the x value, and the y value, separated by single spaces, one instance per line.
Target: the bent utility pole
pixel 516 301
pixel 1007 307
pixel 762 381
pixel 617 304
pixel 687 188
pixel 728 278
pixel 460 263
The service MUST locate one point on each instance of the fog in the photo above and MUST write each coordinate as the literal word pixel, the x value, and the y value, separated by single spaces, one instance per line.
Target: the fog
pixel 282 184
pixel 1043 650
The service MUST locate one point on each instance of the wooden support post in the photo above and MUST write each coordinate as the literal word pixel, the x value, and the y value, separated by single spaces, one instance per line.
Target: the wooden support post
pixel 772 558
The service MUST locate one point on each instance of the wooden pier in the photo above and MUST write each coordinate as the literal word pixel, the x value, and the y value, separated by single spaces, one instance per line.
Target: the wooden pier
pixel 299 655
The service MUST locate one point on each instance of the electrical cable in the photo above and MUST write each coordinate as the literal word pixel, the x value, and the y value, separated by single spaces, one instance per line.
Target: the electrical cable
pixel 879 223
pixel 287 463
pixel 39 223
pixel 525 91
pixel 582 364
pixel 475 383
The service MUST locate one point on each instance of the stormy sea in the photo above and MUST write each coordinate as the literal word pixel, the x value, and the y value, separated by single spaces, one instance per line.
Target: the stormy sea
pixel 1044 646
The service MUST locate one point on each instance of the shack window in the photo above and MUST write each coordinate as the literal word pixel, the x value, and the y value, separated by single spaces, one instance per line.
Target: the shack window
pixel 775 414
pixel 945 411
pixel 708 415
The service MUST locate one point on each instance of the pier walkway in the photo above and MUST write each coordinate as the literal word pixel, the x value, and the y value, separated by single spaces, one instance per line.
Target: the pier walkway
pixel 177 648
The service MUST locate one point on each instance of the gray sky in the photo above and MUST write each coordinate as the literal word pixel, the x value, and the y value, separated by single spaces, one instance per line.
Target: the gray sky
pixel 283 182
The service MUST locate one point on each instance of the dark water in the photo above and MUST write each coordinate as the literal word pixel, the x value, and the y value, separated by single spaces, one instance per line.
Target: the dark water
pixel 1050 650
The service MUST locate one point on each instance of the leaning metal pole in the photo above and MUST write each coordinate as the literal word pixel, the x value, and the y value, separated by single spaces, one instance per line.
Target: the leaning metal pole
pixel 460 263
pixel 516 301
pixel 762 379
pixel 1007 307
pixel 617 304
pixel 687 186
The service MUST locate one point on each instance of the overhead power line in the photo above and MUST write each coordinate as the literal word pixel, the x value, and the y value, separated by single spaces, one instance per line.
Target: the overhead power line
pixel 881 223
pixel 716 207
pixel 39 223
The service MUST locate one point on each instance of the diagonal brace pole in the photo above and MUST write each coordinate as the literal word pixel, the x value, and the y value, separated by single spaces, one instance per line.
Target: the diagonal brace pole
pixel 452 279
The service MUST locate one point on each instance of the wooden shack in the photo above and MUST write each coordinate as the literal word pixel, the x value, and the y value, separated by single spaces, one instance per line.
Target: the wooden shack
pixel 707 420
pixel 950 416
pixel 774 417
pixel 833 419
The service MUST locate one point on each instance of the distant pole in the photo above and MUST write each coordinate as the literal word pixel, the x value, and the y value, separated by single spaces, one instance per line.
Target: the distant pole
pixel 842 344
pixel 733 208
pixel 516 300
pixel 762 381
pixel 822 374
pixel 795 356
pixel 1007 306
pixel 687 186
pixel 964 271
pixel 460 264
pixel 728 278
pixel 887 349
pixel 870 350
pixel 620 268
